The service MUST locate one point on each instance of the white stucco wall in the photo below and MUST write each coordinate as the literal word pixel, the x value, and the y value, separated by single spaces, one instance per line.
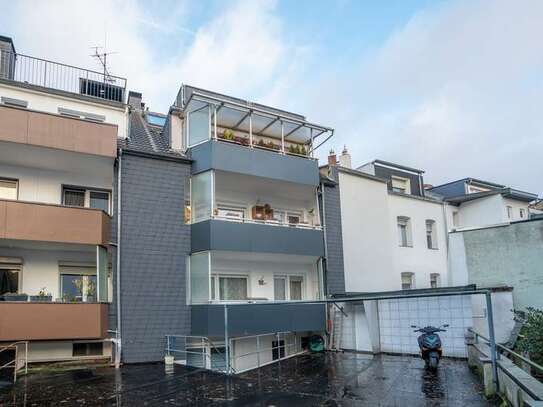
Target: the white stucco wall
pixel 49 102
pixel 367 236
pixel 483 211
pixel 42 185
pixel 418 259
pixel 516 205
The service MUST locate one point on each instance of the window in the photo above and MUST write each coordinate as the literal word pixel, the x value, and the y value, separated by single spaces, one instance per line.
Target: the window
pixel 86 198
pixel 199 126
pixel 199 265
pixel 87 349
pixel 522 213
pixel 408 281
pixel 9 189
pixel 232 288
pixel 288 288
pixel 402 185
pixel 9 280
pixel 295 285
pixel 201 196
pixel 404 231
pixel 509 212
pixel 431 234
pixel 78 285
pixel 435 280
pixel 293 218
pixel 155 119
pixel 475 190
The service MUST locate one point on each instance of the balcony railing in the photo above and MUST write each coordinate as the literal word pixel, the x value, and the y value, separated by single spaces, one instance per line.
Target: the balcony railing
pixel 272 222
pixel 62 77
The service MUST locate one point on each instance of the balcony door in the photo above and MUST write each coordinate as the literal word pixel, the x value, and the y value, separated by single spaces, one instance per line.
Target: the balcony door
pixel 288 288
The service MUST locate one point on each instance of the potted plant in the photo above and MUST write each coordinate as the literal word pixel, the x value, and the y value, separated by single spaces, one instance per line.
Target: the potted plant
pixel 43 296
pixel 91 291
pixel 228 135
pixel 15 297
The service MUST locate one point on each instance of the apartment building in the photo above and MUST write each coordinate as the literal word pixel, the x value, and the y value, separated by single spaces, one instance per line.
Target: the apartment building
pixel 394 236
pixel 221 239
pixel 59 127
pixel 476 203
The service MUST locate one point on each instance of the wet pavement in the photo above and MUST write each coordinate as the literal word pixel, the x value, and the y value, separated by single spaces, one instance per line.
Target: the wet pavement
pixel 329 379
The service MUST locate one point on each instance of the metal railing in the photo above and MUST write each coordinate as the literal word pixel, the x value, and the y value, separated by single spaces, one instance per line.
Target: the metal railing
pixel 58 76
pixel 271 222
pixel 14 363
pixel 508 350
pixel 200 346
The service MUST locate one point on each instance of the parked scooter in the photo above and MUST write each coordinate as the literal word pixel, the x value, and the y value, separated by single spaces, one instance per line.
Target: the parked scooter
pixel 430 344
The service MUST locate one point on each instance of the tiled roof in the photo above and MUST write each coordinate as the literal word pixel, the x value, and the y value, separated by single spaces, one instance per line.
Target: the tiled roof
pixel 146 138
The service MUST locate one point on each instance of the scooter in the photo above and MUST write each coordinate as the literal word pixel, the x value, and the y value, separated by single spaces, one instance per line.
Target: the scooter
pixel 430 344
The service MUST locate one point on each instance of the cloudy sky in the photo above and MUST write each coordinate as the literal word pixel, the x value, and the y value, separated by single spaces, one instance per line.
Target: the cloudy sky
pixel 451 87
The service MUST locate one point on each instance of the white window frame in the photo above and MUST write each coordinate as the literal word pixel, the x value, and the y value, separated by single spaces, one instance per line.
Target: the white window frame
pixel 405 181
pixel 522 213
pixel 411 275
pixel 217 276
pixel 433 234
pixel 509 209
pixel 234 208
pixel 73 270
pixel 456 218
pixel 404 221
pixel 287 278
pixel 435 277
pixel 87 192
pixel 12 181
pixel 187 126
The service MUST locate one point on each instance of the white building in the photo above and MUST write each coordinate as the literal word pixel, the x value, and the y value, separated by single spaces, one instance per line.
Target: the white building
pixel 394 237
pixel 475 203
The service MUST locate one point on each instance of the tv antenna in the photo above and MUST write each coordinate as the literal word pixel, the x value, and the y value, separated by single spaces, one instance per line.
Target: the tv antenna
pixel 101 55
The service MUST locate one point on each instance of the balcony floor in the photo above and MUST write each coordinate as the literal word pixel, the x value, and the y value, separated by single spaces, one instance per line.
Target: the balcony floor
pixel 329 379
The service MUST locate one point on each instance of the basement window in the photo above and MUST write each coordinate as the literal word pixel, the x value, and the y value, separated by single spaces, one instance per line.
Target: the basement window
pixel 87 349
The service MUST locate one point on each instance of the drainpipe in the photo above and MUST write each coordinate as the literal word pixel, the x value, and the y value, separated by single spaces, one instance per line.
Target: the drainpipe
pixel 323 223
pixel 118 274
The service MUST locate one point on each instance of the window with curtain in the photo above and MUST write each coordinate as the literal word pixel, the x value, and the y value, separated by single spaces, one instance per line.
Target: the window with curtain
pixel 401 185
pixel 8 189
pixel 279 288
pixel 74 197
pixel 9 281
pixel 99 200
pixel 295 286
pixel 232 288
pixel 408 281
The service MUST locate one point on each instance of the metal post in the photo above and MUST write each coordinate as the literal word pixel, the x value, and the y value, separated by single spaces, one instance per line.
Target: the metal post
pixel 251 128
pixel 215 135
pixel 258 350
pixel 312 150
pixel 278 346
pixel 26 357
pixel 226 343
pixel 204 351
pixel 492 340
pixel 282 137
pixel 168 344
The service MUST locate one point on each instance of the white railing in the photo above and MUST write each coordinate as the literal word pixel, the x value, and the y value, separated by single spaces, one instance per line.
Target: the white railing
pixel 272 222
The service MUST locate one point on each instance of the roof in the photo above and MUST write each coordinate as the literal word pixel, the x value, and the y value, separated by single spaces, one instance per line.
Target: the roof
pixel 470 180
pixel 398 166
pixel 148 139
pixel 505 192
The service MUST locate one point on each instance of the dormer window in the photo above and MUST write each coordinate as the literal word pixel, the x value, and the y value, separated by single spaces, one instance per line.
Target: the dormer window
pixel 401 185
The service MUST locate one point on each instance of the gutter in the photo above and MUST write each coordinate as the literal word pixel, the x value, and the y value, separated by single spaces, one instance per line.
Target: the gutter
pixel 118 266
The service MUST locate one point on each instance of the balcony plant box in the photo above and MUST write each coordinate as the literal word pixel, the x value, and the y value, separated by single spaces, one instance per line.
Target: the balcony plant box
pixel 14 297
pixel 41 298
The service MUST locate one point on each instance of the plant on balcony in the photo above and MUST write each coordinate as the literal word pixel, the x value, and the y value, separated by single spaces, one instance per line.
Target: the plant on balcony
pixel 91 291
pixel 261 143
pixel 241 140
pixel 15 297
pixel 228 135
pixel 43 296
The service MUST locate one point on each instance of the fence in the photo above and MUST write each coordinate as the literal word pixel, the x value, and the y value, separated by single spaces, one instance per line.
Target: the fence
pixel 54 75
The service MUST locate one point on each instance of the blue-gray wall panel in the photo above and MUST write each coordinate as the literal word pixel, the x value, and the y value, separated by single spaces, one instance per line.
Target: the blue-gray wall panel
pixel 457 188
pixel 154 245
pixel 388 173
pixel 250 237
pixel 252 161
pixel 253 319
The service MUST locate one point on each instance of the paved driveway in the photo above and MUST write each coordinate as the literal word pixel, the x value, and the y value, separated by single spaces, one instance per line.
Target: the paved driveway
pixel 328 379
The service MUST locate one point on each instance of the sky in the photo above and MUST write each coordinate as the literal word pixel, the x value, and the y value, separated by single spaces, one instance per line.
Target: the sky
pixel 454 88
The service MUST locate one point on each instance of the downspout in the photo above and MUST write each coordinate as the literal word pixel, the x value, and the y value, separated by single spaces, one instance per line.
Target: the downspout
pixel 444 211
pixel 323 222
pixel 118 274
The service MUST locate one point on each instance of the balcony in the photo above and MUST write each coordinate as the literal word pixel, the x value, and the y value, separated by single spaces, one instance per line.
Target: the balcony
pixel 255 319
pixel 37 129
pixel 52 321
pixel 212 116
pixel 53 223
pixel 37 72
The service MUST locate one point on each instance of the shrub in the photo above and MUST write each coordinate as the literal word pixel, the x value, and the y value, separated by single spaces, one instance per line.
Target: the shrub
pixel 531 338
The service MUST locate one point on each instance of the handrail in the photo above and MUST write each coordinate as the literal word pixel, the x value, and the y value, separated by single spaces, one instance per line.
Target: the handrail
pixel 340 308
pixel 203 354
pixel 505 348
pixel 14 361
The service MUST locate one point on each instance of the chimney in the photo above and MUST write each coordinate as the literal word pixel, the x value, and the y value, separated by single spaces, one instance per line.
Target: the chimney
pixel 134 100
pixel 332 160
pixel 175 129
pixel 345 158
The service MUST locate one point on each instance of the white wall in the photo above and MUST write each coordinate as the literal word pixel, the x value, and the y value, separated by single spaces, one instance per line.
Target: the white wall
pixel 42 185
pixel 48 102
pixel 419 259
pixel 48 351
pixel 367 235
pixel 41 267
pixel 265 267
pixel 516 205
